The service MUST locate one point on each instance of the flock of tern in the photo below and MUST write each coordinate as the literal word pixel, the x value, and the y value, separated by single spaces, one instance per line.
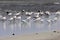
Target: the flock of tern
pixel 27 17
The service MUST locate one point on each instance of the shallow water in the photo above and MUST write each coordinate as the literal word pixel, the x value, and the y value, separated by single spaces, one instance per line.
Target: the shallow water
pixel 18 27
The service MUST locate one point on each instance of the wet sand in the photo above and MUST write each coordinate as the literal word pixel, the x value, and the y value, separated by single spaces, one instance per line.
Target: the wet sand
pixel 34 36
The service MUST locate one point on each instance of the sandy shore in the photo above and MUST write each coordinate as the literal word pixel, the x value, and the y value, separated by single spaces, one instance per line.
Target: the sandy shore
pixel 34 36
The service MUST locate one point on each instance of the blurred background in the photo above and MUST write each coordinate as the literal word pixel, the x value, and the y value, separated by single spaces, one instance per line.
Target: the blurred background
pixel 7 27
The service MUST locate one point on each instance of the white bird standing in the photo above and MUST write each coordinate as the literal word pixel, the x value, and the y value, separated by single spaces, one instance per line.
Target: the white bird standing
pixel 49 24
pixel 4 22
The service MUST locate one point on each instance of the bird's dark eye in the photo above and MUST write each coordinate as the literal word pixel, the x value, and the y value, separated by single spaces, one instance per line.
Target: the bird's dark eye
pixel 38 10
pixel 7 12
